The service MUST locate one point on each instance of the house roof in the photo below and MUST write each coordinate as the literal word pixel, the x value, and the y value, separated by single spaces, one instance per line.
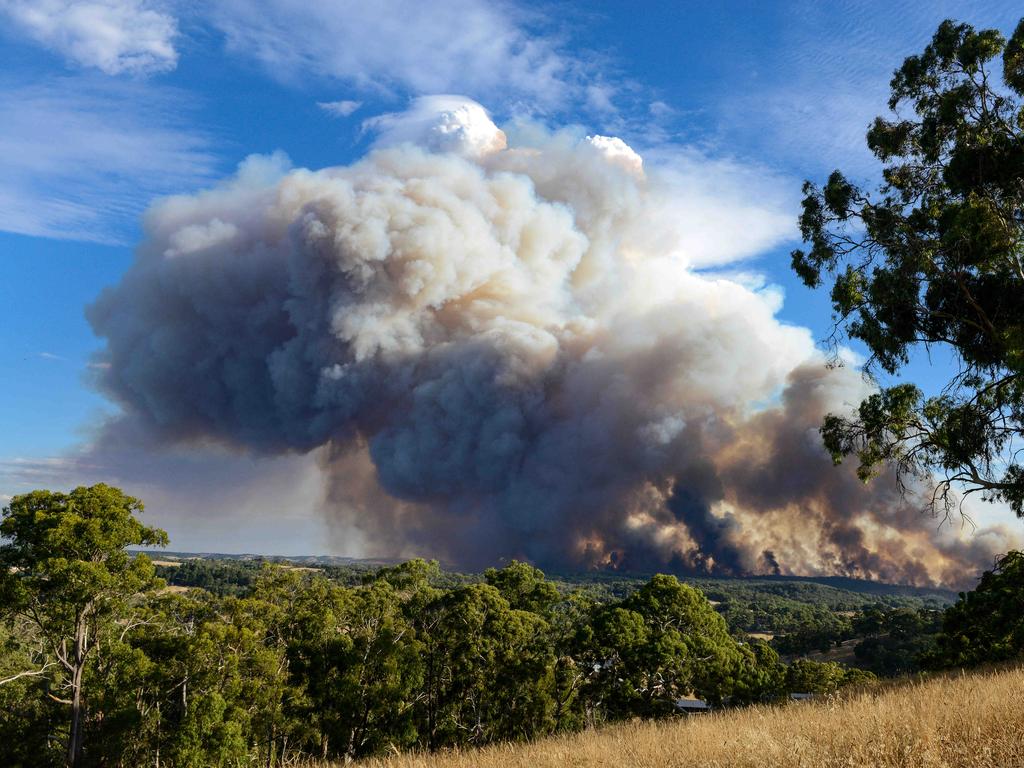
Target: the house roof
pixel 692 704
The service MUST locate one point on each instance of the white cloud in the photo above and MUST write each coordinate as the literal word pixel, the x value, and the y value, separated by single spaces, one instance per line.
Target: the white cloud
pixel 721 210
pixel 472 46
pixel 617 151
pixel 442 123
pixel 599 98
pixel 81 158
pixel 660 109
pixel 342 108
pixel 114 36
pixel 724 210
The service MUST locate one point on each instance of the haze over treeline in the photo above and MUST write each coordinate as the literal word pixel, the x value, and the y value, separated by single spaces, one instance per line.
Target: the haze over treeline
pixel 527 348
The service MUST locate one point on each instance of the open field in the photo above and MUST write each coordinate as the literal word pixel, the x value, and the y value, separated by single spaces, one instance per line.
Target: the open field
pixel 843 653
pixel 974 720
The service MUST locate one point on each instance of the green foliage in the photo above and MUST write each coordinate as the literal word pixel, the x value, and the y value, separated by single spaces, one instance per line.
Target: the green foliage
pixel 763 676
pixel 25 710
pixel 895 640
pixel 986 625
pixel 814 637
pixel 807 676
pixel 65 579
pixel 936 256
pixel 221 577
pixel 268 664
pixel 491 669
pixel 524 587
pixel 662 643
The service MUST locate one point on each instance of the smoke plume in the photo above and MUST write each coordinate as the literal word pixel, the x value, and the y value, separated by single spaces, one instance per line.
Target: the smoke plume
pixel 504 349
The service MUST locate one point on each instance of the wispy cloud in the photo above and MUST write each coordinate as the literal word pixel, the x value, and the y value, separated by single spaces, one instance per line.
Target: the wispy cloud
pixel 480 48
pixel 342 108
pixel 808 100
pixel 21 473
pixel 81 157
pixel 114 36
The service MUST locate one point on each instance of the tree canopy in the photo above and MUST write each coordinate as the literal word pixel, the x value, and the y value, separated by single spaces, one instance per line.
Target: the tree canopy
pixel 65 575
pixel 987 624
pixel 935 256
pixel 102 665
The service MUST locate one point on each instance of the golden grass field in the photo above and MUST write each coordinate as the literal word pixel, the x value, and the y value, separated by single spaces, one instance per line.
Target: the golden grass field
pixel 970 720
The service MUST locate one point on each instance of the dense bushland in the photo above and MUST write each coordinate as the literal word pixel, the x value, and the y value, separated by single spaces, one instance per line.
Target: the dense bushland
pixel 102 665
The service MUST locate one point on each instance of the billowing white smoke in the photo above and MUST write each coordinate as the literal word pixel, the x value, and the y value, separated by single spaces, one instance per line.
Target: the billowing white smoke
pixel 440 124
pixel 504 352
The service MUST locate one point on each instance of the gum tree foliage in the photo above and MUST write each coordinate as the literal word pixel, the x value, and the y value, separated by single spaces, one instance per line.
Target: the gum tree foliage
pixel 808 676
pixel 493 678
pixel 299 666
pixel 524 587
pixel 64 577
pixel 664 642
pixel 935 257
pixel 986 625
pixel 895 640
pixel 354 655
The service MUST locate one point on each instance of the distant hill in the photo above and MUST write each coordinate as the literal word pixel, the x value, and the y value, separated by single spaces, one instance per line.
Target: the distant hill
pixel 837 593
pixel 868 587
pixel 293 559
pixel 841 583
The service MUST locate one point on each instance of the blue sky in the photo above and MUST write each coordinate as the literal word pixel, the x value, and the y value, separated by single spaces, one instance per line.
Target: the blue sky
pixel 107 104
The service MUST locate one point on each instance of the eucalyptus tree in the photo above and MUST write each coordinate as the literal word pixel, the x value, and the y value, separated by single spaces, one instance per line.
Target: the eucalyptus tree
pixel 935 258
pixel 65 575
pixel 987 624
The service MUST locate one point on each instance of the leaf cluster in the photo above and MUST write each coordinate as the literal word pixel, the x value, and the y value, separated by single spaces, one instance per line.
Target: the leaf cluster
pixel 935 257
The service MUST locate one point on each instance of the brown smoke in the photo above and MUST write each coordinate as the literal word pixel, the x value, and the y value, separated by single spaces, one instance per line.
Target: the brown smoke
pixel 508 352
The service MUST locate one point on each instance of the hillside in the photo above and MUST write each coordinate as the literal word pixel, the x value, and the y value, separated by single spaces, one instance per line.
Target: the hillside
pixel 837 592
pixel 844 583
pixel 959 721
pixel 817 609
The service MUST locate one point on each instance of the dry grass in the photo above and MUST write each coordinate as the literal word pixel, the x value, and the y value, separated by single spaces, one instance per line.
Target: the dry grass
pixel 963 721
pixel 843 653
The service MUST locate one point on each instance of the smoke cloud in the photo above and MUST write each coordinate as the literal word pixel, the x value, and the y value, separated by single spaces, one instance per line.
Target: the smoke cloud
pixel 508 348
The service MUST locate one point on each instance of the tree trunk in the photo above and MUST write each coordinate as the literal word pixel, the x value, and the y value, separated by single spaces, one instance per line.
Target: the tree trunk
pixel 74 758
pixel 271 742
pixel 75 737
pixel 350 750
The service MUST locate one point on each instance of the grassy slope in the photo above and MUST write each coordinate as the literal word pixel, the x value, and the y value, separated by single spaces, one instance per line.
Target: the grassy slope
pixel 975 720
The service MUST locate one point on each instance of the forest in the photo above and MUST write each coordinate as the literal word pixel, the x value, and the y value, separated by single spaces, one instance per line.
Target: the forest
pixel 105 663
